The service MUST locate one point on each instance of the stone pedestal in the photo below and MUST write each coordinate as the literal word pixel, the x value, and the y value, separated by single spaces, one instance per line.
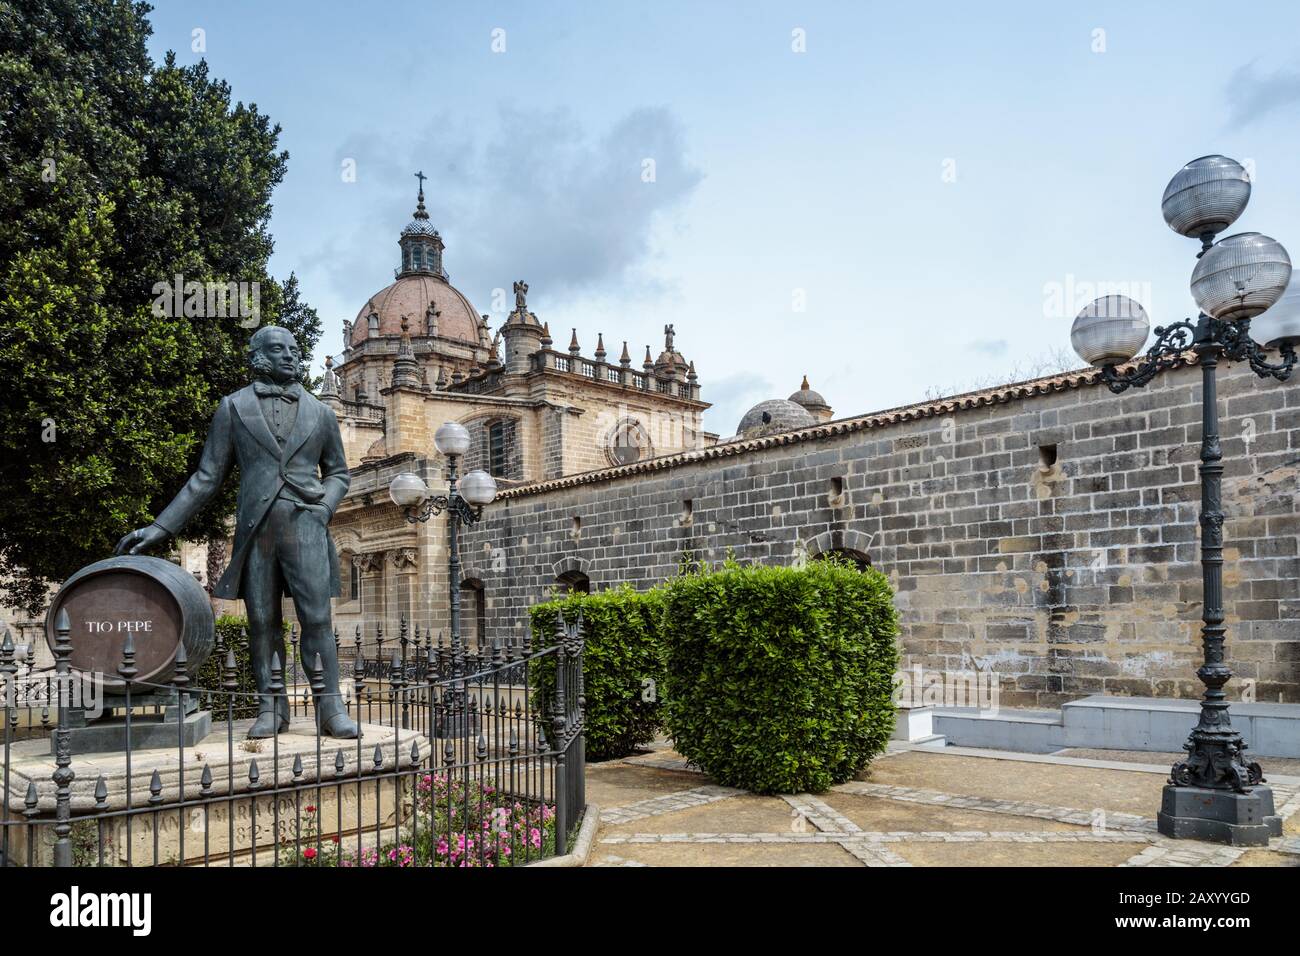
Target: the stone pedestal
pixel 157 721
pixel 1220 816
pixel 148 731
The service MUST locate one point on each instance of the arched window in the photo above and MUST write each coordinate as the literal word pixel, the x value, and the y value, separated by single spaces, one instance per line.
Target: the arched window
pixel 497 450
pixel 574 581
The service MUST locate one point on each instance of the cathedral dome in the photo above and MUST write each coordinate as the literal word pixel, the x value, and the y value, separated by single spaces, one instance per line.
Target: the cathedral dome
pixel 411 296
pixel 431 304
pixel 774 416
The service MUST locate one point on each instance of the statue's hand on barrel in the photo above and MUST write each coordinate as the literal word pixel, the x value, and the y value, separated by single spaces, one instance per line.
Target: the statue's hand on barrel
pixel 141 539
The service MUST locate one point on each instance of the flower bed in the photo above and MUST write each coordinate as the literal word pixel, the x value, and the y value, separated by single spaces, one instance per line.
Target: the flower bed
pixel 452 823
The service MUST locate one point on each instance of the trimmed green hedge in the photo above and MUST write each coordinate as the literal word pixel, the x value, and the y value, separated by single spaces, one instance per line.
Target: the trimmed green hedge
pixel 780 679
pixel 622 651
pixel 209 676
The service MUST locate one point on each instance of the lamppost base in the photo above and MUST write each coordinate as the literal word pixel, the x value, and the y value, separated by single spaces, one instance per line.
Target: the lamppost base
pixel 456 726
pixel 1219 816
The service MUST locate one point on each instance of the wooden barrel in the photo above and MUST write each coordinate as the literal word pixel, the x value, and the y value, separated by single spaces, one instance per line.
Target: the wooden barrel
pixel 157 603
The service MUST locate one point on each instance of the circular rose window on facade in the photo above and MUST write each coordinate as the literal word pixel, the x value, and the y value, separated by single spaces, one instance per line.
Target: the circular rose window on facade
pixel 628 442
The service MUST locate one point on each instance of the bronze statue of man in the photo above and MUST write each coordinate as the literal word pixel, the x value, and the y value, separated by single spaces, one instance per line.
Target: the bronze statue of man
pixel 293 474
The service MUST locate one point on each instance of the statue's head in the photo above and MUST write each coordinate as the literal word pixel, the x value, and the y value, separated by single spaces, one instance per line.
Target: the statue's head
pixel 273 353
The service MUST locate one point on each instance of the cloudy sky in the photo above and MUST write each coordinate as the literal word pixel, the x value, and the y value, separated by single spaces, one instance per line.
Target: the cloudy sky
pixel 894 199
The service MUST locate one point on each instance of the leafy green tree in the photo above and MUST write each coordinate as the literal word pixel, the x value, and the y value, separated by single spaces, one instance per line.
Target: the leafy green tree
pixel 116 175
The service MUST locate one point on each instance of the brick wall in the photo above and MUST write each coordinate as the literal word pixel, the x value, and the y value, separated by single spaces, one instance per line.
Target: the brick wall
pixel 1052 538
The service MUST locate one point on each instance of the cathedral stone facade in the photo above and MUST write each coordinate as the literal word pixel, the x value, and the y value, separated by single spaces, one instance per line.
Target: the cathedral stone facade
pixel 418 355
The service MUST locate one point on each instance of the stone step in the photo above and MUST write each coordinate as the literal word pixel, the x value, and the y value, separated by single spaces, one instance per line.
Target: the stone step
pixel 1116 723
pixel 1023 731
pixel 913 723
pixel 1162 724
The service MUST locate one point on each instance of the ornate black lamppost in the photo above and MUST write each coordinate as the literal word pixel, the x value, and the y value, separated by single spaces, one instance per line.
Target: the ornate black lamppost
pixel 1215 793
pixel 463 504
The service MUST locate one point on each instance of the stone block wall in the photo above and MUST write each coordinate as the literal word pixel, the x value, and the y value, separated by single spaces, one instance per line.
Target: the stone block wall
pixel 1045 531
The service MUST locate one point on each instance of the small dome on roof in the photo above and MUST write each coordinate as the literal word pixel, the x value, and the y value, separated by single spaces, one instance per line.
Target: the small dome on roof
pixel 774 416
pixel 809 399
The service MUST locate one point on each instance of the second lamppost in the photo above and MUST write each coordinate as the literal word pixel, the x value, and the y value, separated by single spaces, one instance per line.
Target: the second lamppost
pixel 1214 793
pixel 463 502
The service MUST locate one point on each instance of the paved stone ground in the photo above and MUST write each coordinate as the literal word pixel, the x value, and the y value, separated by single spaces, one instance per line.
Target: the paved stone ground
pixel 912 807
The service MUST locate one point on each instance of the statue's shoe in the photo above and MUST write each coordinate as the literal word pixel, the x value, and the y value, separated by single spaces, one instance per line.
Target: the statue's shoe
pixel 265 725
pixel 340 726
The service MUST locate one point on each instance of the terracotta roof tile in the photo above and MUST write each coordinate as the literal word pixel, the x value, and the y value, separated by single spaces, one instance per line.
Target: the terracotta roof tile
pixel 1001 395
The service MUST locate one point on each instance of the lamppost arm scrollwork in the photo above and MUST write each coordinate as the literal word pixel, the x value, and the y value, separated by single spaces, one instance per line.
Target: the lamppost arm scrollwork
pixel 1230 338
pixel 461 509
pixel 1234 338
pixel 1171 342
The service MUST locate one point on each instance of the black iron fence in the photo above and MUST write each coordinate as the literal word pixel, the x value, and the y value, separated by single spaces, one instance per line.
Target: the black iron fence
pixel 467 758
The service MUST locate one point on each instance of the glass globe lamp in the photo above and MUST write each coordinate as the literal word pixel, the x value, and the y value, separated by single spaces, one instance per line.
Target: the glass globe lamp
pixel 1110 330
pixel 1241 276
pixel 1206 196
pixel 408 490
pixel 478 488
pixel 451 439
